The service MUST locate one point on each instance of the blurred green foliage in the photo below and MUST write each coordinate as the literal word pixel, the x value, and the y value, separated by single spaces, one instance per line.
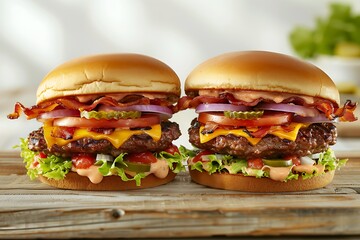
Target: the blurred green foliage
pixel 336 34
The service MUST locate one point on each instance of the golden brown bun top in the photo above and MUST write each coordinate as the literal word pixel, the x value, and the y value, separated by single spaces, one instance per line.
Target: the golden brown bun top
pixel 262 71
pixel 109 73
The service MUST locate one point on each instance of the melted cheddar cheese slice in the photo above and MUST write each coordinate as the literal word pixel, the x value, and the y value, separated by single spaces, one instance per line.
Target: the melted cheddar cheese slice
pixel 117 137
pixel 290 133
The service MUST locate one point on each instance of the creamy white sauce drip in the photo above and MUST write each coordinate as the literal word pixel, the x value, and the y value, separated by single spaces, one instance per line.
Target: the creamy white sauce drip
pixel 92 173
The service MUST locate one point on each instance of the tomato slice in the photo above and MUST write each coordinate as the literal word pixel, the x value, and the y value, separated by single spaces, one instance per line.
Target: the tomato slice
pixel 268 119
pixel 42 155
pixel 198 157
pixel 295 160
pixel 83 160
pixel 172 149
pixel 37 157
pixel 146 120
pixel 256 163
pixel 144 158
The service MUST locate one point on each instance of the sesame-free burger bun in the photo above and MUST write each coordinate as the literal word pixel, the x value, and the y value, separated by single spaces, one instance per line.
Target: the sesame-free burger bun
pixel 239 182
pixel 110 183
pixel 262 71
pixel 109 73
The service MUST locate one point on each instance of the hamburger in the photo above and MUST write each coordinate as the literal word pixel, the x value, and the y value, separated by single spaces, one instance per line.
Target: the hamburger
pixel 265 123
pixel 105 124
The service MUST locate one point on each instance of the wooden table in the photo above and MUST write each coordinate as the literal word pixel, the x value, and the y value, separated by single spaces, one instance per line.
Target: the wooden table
pixel 30 209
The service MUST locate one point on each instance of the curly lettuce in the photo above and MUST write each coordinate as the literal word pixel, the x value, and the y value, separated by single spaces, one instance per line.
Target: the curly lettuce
pixel 175 161
pixel 52 167
pixel 55 167
pixel 116 167
pixel 217 163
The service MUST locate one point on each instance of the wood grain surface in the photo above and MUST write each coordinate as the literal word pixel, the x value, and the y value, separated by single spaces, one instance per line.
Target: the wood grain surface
pixel 30 209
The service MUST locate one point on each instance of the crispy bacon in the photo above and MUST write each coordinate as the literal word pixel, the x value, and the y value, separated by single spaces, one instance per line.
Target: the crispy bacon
pixel 190 102
pixel 260 133
pixel 72 103
pixel 103 100
pixel 295 100
pixel 331 110
pixel 346 113
pixel 33 111
pixel 182 104
pixel 107 131
pixel 209 127
pixel 231 99
pixel 63 132
pixel 326 107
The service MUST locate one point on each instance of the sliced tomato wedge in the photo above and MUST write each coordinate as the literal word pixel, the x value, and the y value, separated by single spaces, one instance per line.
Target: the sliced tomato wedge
pixel 256 163
pixel 146 120
pixel 144 158
pixel 296 160
pixel 83 160
pixel 172 149
pixel 198 157
pixel 268 119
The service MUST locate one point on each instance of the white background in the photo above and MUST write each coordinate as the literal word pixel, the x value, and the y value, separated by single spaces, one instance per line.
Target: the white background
pixel 38 35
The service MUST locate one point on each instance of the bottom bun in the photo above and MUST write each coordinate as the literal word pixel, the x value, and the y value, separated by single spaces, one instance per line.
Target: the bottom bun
pixel 251 184
pixel 76 182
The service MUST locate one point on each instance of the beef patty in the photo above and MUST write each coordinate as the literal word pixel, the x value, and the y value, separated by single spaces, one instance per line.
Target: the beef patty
pixel 135 144
pixel 313 139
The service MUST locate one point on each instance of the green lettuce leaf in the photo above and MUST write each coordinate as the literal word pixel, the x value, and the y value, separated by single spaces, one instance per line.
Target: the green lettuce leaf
pixel 258 173
pixel 175 161
pixel 237 167
pixel 329 160
pixel 116 167
pixel 52 166
pixel 55 167
pixel 197 166
pixel 219 163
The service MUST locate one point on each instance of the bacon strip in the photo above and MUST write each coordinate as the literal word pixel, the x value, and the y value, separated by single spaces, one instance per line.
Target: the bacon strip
pixel 33 111
pixel 230 97
pixel 326 107
pixel 72 103
pixel 346 113
pixel 260 133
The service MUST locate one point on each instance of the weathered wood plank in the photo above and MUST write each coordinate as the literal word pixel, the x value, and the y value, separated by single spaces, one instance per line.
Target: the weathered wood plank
pixel 112 222
pixel 30 209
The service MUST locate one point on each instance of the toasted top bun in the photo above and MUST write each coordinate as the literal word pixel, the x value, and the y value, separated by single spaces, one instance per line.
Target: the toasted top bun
pixel 262 71
pixel 109 73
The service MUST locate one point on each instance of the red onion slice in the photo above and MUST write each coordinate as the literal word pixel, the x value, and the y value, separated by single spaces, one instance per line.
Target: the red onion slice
pixel 317 119
pixel 220 107
pixel 297 109
pixel 59 113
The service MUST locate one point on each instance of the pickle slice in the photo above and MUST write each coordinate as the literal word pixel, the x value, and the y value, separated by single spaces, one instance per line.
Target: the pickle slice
pixel 278 162
pixel 137 167
pixel 110 114
pixel 243 114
